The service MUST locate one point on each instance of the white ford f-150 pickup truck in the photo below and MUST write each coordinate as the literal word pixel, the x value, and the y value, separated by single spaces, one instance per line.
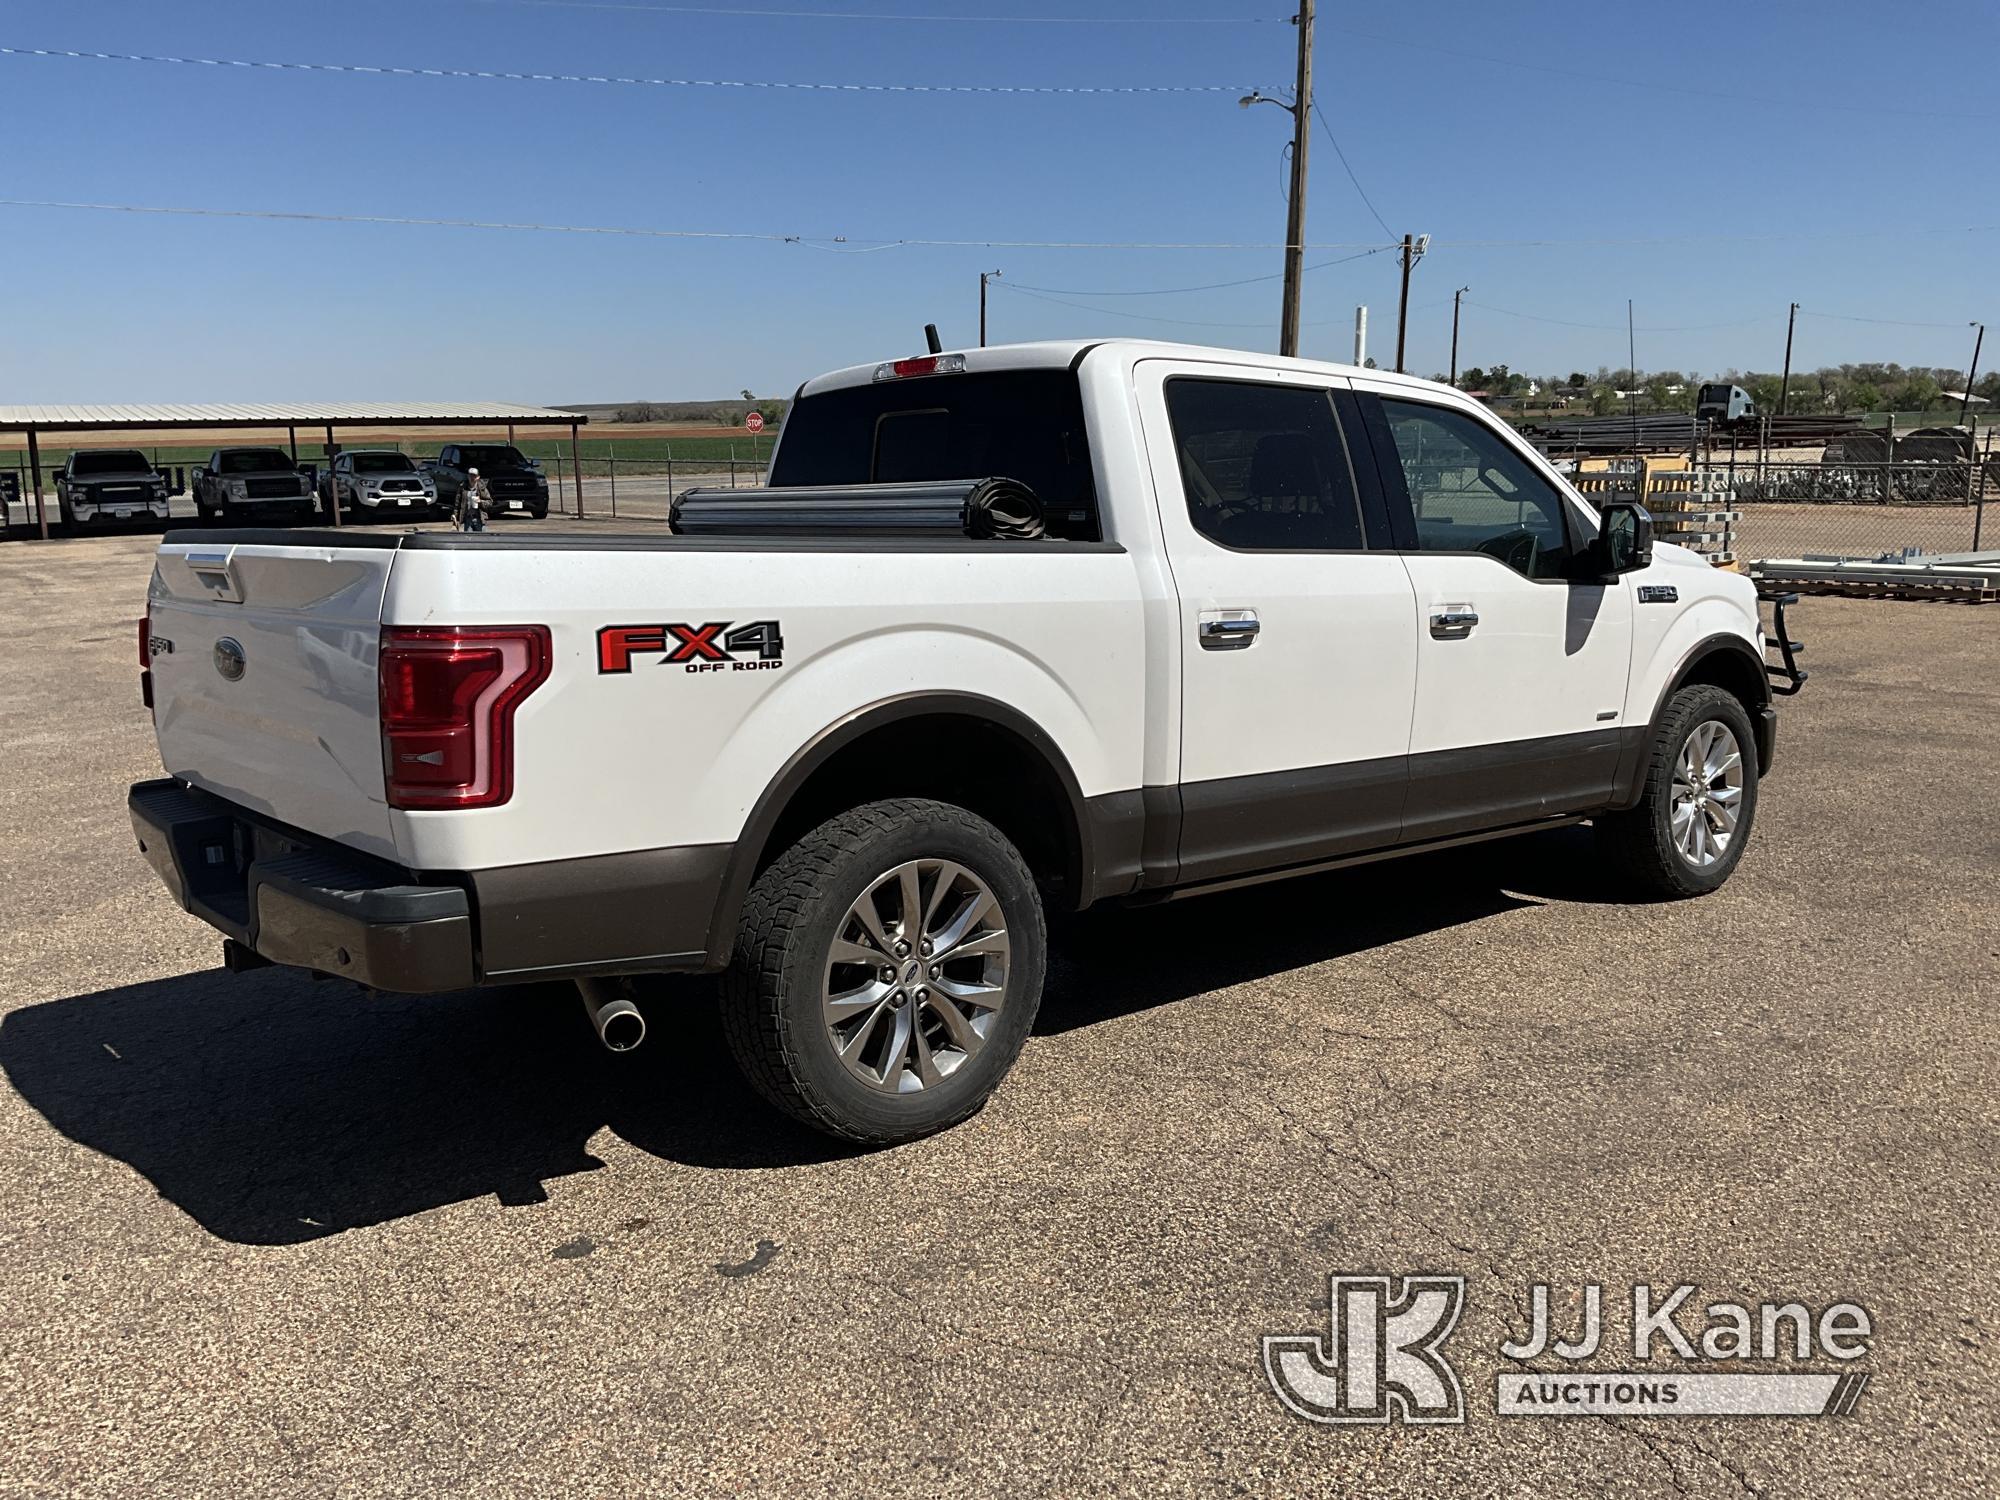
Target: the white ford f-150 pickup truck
pixel 1269 617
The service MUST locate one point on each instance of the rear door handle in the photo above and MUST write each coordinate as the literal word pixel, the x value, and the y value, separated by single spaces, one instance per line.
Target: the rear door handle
pixel 1453 622
pixel 1228 629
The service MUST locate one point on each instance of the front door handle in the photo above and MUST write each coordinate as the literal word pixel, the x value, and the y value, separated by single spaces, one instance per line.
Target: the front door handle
pixel 1228 630
pixel 1453 622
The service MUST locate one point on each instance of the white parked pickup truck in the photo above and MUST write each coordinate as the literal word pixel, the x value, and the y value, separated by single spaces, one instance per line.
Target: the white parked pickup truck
pixel 1279 617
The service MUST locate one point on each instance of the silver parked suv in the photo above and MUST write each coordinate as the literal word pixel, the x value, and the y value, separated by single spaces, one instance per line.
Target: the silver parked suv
pixel 379 480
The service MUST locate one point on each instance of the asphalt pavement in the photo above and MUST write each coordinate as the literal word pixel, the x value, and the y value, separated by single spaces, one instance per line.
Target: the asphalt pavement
pixel 264 1235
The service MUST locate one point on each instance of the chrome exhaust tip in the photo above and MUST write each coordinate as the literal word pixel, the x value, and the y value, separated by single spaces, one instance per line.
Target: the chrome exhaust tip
pixel 618 1022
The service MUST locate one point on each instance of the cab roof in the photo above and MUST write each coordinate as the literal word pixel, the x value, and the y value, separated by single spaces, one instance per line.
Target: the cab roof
pixel 1062 353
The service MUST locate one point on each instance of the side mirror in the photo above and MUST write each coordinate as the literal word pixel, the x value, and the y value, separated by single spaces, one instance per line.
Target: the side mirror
pixel 1624 538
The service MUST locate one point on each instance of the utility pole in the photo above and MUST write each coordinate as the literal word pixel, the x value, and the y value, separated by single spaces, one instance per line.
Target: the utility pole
pixel 1971 373
pixel 983 275
pixel 1361 335
pixel 1454 331
pixel 1300 110
pixel 1785 389
pixel 1403 302
pixel 1295 218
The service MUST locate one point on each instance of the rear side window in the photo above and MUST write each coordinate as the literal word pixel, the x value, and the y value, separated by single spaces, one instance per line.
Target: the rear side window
pixel 1025 425
pixel 1263 466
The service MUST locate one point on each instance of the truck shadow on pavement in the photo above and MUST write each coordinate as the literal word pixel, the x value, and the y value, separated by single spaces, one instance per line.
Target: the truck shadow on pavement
pixel 274 1109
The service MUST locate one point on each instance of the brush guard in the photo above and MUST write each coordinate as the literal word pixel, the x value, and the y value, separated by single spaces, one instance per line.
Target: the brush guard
pixel 1786 677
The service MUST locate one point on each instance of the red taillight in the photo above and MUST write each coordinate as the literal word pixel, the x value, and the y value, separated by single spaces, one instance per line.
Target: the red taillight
pixel 448 699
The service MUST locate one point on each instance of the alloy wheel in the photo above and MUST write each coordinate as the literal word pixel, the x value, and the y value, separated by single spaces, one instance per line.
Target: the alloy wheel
pixel 916 976
pixel 1707 794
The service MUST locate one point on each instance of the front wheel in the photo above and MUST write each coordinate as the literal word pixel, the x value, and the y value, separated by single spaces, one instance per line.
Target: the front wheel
pixel 1694 815
pixel 887 970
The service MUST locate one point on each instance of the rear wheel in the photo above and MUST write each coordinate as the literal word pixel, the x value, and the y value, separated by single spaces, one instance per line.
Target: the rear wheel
pixel 887 970
pixel 1693 819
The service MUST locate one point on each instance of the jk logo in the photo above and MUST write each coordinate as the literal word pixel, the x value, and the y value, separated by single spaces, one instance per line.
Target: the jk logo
pixel 1382 1358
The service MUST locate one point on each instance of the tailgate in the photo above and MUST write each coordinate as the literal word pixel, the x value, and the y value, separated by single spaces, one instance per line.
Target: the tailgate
pixel 264 685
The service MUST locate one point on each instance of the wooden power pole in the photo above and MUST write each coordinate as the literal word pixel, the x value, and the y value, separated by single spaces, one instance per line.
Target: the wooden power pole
pixel 1295 218
pixel 1403 301
pixel 1454 331
pixel 1785 385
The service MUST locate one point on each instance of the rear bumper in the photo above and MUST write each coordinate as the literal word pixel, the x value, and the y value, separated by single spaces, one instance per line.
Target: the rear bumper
pixel 297 899
pixel 311 905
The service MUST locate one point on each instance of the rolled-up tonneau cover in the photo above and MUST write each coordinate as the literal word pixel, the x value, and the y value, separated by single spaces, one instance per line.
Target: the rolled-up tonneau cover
pixel 985 508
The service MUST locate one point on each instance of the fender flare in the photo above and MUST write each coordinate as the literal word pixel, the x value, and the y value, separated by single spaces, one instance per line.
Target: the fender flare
pixel 823 746
pixel 1631 777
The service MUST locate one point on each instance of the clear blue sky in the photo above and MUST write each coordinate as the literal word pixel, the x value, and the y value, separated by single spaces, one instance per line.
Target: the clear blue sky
pixel 1845 138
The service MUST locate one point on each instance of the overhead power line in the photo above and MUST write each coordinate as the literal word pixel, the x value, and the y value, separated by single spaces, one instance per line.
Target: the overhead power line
pixel 1620 327
pixel 1114 312
pixel 503 75
pixel 1870 108
pixel 863 15
pixel 929 241
pixel 1893 322
pixel 814 241
pixel 1207 286
pixel 1350 170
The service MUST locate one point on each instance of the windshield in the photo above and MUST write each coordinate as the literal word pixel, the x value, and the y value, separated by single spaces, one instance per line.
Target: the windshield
pixel 1714 395
pixel 382 463
pixel 498 457
pixel 253 460
pixel 110 461
pixel 1025 425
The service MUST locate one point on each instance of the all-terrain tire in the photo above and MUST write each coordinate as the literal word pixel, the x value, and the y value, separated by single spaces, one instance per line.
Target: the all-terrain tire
pixel 1641 845
pixel 773 995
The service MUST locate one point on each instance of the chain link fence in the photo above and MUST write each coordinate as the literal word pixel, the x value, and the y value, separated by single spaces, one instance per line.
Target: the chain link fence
pixel 639 489
pixel 1864 510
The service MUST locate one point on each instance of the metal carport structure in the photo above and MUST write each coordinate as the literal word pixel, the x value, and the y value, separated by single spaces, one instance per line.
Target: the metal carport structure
pixel 36 420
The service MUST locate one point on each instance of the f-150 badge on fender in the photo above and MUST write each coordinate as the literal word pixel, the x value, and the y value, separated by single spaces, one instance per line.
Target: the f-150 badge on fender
pixel 718 646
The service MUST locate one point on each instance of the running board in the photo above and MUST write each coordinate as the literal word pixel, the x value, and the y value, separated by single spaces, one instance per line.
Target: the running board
pixel 1346 861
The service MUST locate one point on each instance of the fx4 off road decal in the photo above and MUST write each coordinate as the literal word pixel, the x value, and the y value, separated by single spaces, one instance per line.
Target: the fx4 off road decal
pixel 717 646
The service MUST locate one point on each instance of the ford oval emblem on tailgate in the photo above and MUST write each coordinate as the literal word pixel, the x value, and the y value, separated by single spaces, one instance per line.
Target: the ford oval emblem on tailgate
pixel 229 659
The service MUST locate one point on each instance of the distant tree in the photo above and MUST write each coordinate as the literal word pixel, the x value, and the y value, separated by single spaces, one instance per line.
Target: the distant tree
pixel 1603 400
pixel 1763 389
pixel 1577 379
pixel 749 396
pixel 1918 393
pixel 1369 363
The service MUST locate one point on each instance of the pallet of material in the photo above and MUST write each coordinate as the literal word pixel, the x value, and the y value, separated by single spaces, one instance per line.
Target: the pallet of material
pixel 1974 582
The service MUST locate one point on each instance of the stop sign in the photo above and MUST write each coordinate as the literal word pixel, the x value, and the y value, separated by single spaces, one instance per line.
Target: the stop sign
pixel 755 421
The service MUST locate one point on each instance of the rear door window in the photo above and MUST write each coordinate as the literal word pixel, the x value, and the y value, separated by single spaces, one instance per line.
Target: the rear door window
pixel 1264 466
pixel 1025 425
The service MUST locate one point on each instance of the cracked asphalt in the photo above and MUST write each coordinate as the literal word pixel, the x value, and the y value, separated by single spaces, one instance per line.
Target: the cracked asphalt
pixel 262 1235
